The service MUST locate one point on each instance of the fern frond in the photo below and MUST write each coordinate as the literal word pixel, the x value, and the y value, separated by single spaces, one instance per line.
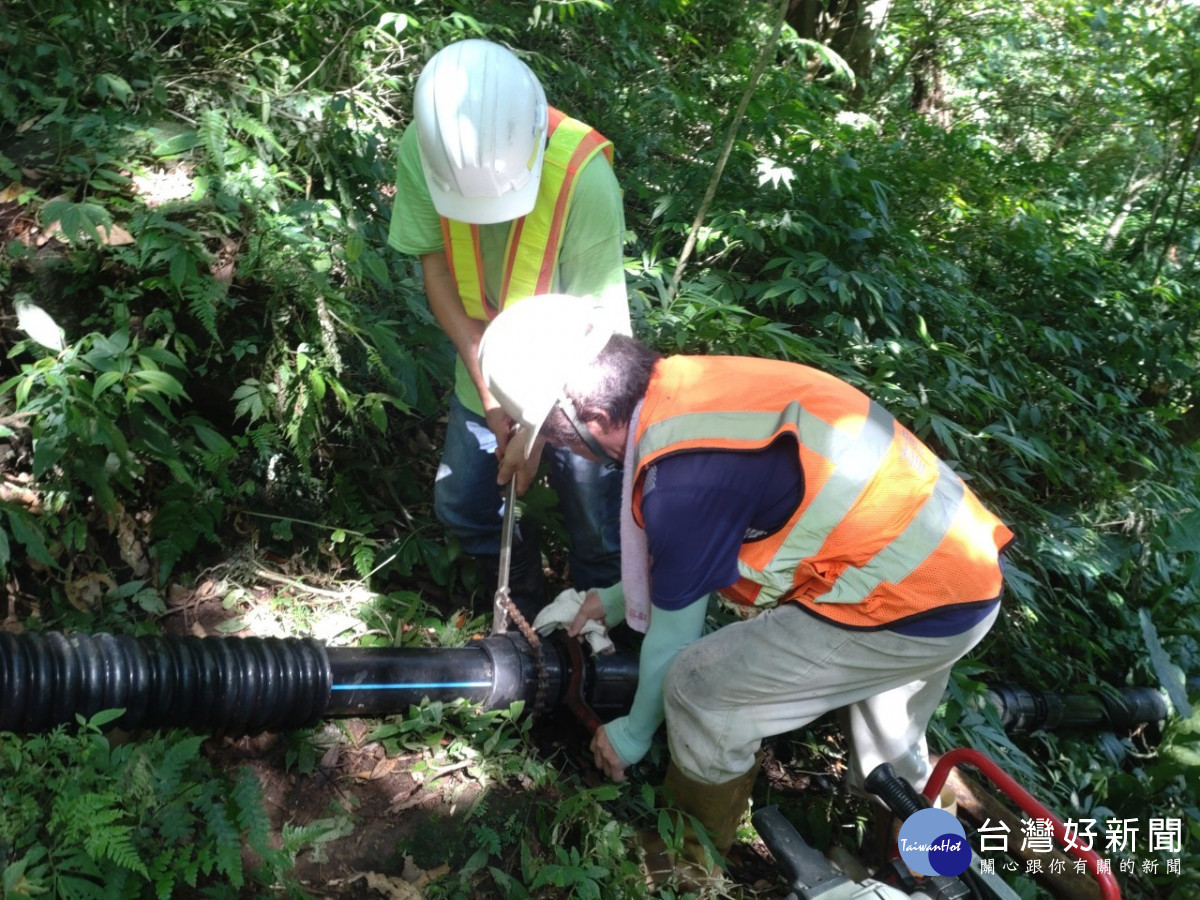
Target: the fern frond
pixel 228 844
pixel 259 132
pixel 263 439
pixel 163 871
pixel 167 553
pixel 175 820
pixel 364 558
pixel 213 134
pixel 139 779
pixel 189 868
pixel 115 843
pixel 73 887
pixel 202 298
pixel 175 760
pixel 249 813
pixel 94 819
pixel 77 815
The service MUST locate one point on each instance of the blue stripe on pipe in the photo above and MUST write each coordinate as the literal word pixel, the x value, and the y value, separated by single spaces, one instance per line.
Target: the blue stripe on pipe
pixel 403 687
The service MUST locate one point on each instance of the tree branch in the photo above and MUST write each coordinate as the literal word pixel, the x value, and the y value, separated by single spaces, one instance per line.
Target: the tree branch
pixel 711 192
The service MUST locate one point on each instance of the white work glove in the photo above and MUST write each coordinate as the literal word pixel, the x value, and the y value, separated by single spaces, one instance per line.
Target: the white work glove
pixel 561 613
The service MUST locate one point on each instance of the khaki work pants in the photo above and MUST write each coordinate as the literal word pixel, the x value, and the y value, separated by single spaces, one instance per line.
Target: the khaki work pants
pixel 784 668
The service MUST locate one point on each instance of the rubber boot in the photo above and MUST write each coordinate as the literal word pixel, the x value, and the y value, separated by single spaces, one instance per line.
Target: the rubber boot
pixel 718 808
pixel 526 579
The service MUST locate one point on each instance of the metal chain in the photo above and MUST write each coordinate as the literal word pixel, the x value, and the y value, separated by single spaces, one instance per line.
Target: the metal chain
pixel 539 659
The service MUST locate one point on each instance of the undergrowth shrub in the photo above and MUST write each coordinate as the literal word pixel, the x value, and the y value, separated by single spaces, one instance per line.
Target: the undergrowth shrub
pixel 222 202
pixel 84 817
pixel 105 427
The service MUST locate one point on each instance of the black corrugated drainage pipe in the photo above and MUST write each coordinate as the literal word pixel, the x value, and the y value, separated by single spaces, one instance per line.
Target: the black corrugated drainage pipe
pixel 251 685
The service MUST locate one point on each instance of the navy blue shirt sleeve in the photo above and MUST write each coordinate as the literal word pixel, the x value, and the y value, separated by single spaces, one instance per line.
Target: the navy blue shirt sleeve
pixel 699 507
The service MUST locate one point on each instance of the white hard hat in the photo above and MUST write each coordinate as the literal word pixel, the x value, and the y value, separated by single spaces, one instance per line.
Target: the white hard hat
pixel 533 349
pixel 481 120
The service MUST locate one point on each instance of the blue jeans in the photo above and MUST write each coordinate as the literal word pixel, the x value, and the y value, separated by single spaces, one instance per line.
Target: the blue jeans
pixel 468 502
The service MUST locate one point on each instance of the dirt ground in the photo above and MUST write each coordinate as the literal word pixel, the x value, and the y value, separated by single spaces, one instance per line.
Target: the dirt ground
pixel 369 803
pixel 383 807
pixel 375 805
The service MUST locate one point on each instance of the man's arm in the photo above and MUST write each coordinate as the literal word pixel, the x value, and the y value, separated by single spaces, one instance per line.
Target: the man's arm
pixel 447 307
pixel 464 332
pixel 624 741
pixel 696 516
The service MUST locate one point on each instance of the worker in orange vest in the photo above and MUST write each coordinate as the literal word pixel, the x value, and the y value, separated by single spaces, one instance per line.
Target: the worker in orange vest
pixel 867 565
pixel 501 197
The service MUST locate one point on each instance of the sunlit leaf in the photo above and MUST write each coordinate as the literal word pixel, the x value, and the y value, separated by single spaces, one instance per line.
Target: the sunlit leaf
pixel 1170 676
pixel 104 381
pixel 159 381
pixel 109 84
pixel 76 221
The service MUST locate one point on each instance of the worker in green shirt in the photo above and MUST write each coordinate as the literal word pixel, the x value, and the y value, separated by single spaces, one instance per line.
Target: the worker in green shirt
pixel 501 197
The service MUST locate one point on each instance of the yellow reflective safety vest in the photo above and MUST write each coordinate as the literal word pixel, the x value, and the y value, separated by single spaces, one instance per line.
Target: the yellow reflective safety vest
pixel 885 532
pixel 534 241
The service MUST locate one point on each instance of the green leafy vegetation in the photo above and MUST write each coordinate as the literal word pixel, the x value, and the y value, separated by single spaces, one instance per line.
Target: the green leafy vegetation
pixel 86 818
pixel 984 217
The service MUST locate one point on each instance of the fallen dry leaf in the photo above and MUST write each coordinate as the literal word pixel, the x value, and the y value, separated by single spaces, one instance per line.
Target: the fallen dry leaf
pixel 14 493
pixel 12 193
pixel 133 552
pixel 114 235
pixel 330 759
pixel 393 888
pixel 419 877
pixel 416 798
pixel 382 769
pixel 84 592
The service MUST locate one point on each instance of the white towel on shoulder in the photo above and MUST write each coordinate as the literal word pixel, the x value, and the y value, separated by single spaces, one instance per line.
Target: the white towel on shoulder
pixel 635 553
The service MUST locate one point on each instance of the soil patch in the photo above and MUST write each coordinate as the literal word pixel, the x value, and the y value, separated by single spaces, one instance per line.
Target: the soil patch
pixel 387 826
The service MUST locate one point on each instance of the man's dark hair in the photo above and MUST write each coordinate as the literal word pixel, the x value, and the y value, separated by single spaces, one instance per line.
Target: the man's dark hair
pixel 624 367
pixel 619 378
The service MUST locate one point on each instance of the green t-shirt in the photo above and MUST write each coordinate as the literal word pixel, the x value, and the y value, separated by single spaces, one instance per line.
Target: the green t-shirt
pixel 591 262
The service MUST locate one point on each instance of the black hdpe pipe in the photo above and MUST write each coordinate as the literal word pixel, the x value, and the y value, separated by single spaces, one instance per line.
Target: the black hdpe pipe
pixel 251 685
pixel 1022 710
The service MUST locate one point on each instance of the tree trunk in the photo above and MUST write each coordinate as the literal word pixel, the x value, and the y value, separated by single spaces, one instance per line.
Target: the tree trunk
pixel 928 98
pixel 845 26
pixel 1183 179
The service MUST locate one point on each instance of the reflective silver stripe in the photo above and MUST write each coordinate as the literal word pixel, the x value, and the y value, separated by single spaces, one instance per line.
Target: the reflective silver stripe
pixel 749 426
pixel 911 547
pixel 855 457
pixel 772 583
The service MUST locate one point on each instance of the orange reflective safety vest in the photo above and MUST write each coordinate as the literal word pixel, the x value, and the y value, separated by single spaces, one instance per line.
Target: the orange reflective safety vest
pixel 534 241
pixel 885 531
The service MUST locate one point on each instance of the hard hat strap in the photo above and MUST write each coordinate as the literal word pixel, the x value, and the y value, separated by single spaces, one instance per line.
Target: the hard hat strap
pixel 568 408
